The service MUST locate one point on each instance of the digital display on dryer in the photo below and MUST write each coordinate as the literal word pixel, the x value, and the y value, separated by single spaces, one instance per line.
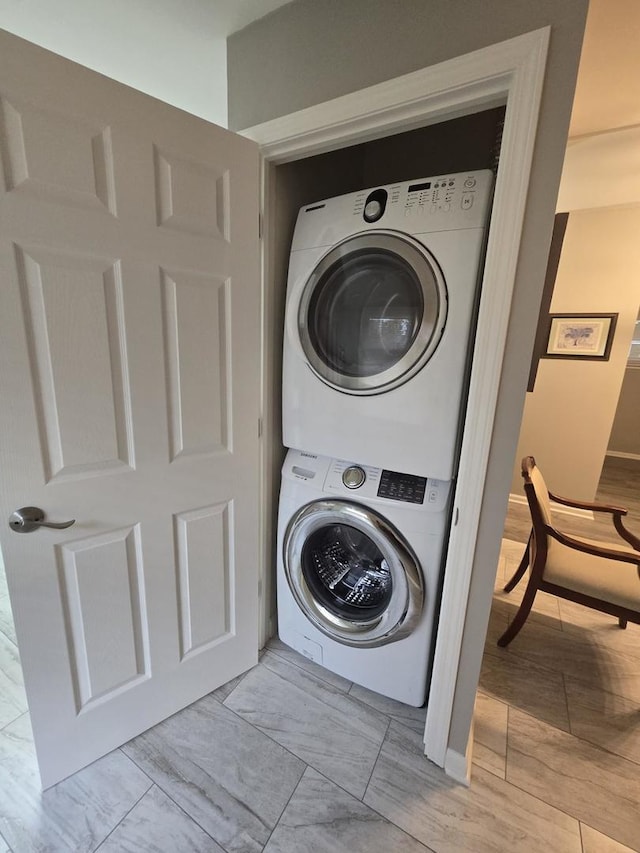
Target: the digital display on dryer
pixel 414 188
pixel 402 487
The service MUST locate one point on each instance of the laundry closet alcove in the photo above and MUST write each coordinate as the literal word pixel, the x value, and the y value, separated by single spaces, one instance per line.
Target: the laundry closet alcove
pixel 477 87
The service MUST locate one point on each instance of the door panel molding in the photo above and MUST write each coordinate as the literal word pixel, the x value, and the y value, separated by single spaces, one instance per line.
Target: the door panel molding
pixel 72 363
pixel 93 572
pixel 196 310
pixel 204 547
pixel 83 172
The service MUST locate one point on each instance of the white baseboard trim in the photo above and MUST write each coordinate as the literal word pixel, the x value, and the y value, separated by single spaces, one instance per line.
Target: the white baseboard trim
pixel 619 455
pixel 458 766
pixel 556 507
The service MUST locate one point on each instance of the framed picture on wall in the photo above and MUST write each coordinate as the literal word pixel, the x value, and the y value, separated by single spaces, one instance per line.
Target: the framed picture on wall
pixel 586 336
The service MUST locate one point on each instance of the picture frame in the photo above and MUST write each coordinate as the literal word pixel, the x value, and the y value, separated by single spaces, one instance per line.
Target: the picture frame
pixel 583 336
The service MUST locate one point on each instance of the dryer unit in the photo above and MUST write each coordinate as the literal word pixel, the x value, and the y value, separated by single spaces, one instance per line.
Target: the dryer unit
pixel 360 552
pixel 380 306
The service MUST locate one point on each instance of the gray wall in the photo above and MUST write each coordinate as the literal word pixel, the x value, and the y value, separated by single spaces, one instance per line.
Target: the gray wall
pixel 312 50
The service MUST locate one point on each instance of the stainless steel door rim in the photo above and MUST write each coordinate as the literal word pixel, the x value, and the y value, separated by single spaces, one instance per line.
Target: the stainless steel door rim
pixel 417 332
pixel 404 609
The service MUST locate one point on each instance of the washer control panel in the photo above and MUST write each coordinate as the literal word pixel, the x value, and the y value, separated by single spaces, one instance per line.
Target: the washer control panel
pixel 402 487
pixel 344 477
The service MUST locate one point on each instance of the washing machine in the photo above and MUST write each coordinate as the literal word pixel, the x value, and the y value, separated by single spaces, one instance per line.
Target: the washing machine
pixel 380 311
pixel 360 554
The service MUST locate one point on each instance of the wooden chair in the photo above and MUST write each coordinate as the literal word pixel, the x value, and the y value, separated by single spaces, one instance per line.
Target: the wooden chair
pixel 596 574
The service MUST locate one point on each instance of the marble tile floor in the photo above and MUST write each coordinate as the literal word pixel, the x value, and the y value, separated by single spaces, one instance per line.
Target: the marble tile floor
pixel 558 711
pixel 289 758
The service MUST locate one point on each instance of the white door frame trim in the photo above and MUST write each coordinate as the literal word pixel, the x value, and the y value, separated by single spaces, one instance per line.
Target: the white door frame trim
pixel 511 73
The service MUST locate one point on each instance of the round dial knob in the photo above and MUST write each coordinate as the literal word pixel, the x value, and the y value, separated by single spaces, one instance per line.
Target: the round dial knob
pixel 353 477
pixel 373 210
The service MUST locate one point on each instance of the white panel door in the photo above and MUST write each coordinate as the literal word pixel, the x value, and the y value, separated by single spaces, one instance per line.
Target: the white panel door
pixel 129 381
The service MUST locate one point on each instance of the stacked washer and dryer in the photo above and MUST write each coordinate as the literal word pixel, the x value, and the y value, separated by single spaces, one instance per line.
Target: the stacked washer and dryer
pixel 380 312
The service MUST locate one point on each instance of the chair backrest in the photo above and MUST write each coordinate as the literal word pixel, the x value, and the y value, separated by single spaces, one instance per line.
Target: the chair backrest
pixel 536 491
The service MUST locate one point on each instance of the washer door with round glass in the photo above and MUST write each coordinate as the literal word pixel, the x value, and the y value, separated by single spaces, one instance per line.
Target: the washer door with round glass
pixel 372 312
pixel 352 573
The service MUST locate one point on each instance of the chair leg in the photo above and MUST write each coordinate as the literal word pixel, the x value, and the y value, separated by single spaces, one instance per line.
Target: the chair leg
pixel 521 616
pixel 622 622
pixel 522 568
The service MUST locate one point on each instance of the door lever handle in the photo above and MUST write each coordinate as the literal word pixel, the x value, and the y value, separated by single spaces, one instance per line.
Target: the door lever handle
pixel 30 518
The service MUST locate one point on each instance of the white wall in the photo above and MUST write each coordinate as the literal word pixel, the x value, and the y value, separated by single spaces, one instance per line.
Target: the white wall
pixel 166 48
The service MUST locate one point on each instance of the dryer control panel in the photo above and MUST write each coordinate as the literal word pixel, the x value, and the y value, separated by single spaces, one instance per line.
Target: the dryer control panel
pixel 440 195
pixel 448 202
pixel 436 200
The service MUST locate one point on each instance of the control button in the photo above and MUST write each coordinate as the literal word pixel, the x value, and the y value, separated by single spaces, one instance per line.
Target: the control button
pixel 467 200
pixel 375 205
pixel 470 182
pixel 353 477
pixel 373 209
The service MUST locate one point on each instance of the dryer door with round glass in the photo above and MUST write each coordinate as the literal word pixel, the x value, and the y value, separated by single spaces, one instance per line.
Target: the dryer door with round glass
pixel 372 312
pixel 352 573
